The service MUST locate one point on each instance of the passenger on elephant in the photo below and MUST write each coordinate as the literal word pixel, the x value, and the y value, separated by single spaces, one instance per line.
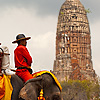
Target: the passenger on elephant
pixel 22 58
pixel 6 69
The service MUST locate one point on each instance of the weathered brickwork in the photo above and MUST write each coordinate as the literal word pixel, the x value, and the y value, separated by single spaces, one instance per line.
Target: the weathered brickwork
pixel 73 43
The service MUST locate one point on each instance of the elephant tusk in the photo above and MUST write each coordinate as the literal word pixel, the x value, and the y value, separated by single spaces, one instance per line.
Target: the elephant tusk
pixel 33 80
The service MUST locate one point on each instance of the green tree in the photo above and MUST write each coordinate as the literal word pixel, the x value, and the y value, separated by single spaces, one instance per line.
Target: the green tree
pixel 88 10
pixel 80 90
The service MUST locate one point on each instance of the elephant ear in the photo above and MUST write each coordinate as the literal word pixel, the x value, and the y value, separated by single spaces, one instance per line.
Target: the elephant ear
pixel 28 92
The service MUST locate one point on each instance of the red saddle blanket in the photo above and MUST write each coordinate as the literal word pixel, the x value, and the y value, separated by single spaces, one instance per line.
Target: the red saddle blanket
pixel 43 72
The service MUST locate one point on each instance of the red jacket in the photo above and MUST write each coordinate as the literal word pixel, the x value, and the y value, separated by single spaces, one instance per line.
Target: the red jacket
pixel 22 57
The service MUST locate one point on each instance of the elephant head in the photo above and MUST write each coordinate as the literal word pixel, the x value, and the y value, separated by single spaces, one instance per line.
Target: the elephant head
pixel 32 88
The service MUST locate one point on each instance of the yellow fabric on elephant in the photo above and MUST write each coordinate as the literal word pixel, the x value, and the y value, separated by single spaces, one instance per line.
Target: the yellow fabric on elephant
pixel 8 88
pixel 2 87
pixel 42 72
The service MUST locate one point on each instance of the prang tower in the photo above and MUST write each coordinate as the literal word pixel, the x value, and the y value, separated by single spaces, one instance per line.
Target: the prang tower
pixel 73 43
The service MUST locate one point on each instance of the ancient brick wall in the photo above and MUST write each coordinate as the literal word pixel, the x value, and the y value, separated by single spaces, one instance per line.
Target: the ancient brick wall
pixel 73 43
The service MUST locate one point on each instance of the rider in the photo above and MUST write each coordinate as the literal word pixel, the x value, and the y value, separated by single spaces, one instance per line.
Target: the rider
pixel 22 58
pixel 6 61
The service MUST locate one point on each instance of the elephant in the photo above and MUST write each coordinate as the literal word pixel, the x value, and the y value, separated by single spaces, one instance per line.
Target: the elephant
pixel 32 88
pixel 17 85
pixel 10 87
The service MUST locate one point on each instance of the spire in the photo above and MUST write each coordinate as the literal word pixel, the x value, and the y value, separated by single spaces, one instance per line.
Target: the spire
pixel 73 43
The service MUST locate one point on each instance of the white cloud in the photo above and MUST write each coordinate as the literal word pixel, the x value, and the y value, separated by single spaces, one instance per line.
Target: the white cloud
pixel 95 40
pixel 42 48
pixel 42 40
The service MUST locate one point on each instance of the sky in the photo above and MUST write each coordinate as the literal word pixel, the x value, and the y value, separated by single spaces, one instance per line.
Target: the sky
pixel 38 19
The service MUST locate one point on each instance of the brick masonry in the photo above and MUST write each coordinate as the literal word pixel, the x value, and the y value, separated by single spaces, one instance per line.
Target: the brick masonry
pixel 73 43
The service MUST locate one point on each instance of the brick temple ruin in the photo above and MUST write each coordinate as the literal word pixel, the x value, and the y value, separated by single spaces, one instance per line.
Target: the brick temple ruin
pixel 73 43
